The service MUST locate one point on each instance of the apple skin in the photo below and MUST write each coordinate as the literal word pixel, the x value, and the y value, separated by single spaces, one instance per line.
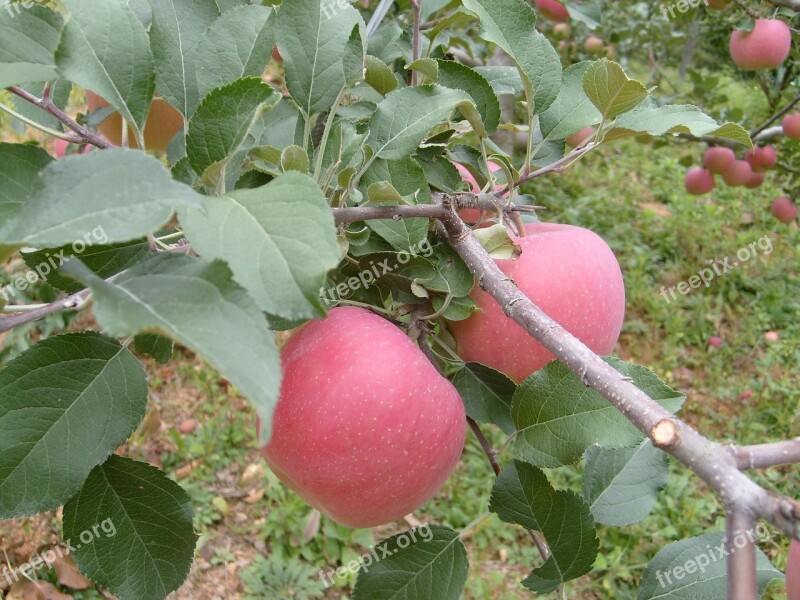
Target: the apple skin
pixel 579 137
pixel 553 10
pixel 784 210
pixel 716 341
pixel 162 124
pixel 593 45
pixel 698 181
pixel 791 126
pixel 366 430
pixel 761 158
pixel 793 572
pixel 562 31
pixel 718 159
pixel 766 47
pixel 471 216
pixel 755 181
pixel 573 276
pixel 739 173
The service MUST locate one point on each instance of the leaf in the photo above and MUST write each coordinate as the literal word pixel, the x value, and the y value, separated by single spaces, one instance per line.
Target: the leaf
pixel 313 37
pixel 705 558
pixel 427 66
pixel 159 347
pixel 497 242
pixel 404 117
pixel 124 194
pixel 219 125
pixel 238 45
pixel 122 72
pixel 294 158
pixel 610 89
pixel 379 75
pixel 65 406
pixel 28 40
pixel 511 24
pixel 141 539
pixel 523 495
pixel 621 484
pixel 558 417
pixel 178 27
pixel 588 12
pixel 504 80
pixel 59 94
pixel 572 110
pixel 279 240
pixel 487 395
pixel 457 76
pixel 428 562
pixel 192 301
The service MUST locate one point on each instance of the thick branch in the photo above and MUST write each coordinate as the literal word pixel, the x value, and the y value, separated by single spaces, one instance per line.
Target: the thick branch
pixel 740 541
pixel 764 456
pixel 73 302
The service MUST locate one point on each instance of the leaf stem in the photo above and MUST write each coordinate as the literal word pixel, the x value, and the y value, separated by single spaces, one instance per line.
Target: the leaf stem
pixel 323 144
pixel 52 132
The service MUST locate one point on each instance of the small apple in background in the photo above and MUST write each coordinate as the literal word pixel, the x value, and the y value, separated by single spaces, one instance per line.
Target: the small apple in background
pixel 718 159
pixel 739 173
pixel 562 31
pixel 699 181
pixel 784 210
pixel 761 158
pixel 593 45
pixel 366 430
pixel 766 47
pixel 188 426
pixel 553 10
pixel 746 395
pixel 793 572
pixel 772 336
pixel 162 124
pixel 756 179
pixel 573 276
pixel 579 137
pixel 718 4
pixel 791 126
pixel 611 52
pixel 716 341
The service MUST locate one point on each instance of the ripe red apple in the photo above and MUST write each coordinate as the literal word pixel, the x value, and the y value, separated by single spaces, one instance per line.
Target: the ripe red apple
pixel 718 4
pixel 562 31
pixel 755 181
pixel 772 336
pixel 766 47
pixel 718 159
pixel 573 276
pixel 579 137
pixel 161 126
pixel 699 181
pixel 716 342
pixel 593 45
pixel 739 173
pixel 761 158
pixel 784 210
pixel 553 10
pixel 366 430
pixel 793 572
pixel 791 126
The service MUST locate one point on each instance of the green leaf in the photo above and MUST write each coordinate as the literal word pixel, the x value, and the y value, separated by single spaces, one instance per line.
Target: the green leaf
pixel 610 89
pixel 220 124
pixel 59 94
pixel 177 29
pixel 660 579
pixel 124 195
pixel 504 80
pixel 427 66
pixel 192 301
pixel 279 240
pixel 452 273
pixel 379 75
pixel 497 241
pixel 294 158
pixel 28 41
pixel 457 76
pixel 523 495
pixel 141 540
pixel 558 417
pixel 428 562
pixel 159 347
pixel 313 36
pixel 121 71
pixel 572 109
pixel 588 12
pixel 344 148
pixel 238 45
pixel 65 405
pixel 621 484
pixel 486 394
pixel 511 24
pixel 401 121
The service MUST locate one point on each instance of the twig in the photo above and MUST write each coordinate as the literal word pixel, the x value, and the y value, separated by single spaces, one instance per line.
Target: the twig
pixel 742 579
pixel 763 456
pixel 488 449
pixel 754 133
pixel 73 302
pixel 557 166
pixel 416 7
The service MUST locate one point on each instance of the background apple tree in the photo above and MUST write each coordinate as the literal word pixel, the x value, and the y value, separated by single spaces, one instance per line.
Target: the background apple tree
pixel 273 190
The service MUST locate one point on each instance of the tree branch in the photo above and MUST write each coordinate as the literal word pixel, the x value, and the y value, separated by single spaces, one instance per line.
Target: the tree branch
pixel 792 4
pixel 754 133
pixel 417 8
pixel 742 574
pixel 73 302
pixel 763 456
pixel 557 166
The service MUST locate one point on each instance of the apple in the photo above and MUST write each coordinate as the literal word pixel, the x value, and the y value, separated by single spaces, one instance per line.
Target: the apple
pixel 772 336
pixel 718 4
pixel 793 572
pixel 579 137
pixel 699 181
pixel 791 126
pixel 611 52
pixel 573 276
pixel 366 430
pixel 716 342
pixel 784 210
pixel 755 181
pixel 718 159
pixel 162 124
pixel 739 173
pixel 553 10
pixel 593 45
pixel 472 216
pixel 761 158
pixel 562 30
pixel 61 147
pixel 766 47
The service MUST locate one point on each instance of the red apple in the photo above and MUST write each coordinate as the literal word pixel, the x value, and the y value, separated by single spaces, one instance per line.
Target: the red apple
pixel 766 47
pixel 761 158
pixel 716 342
pixel 579 137
pixel 699 181
pixel 739 173
pixel 573 276
pixel 718 4
pixel 755 181
pixel 784 210
pixel 611 52
pixel 593 45
pixel 553 10
pixel 366 430
pixel 793 572
pixel 772 336
pixel 791 126
pixel 718 159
